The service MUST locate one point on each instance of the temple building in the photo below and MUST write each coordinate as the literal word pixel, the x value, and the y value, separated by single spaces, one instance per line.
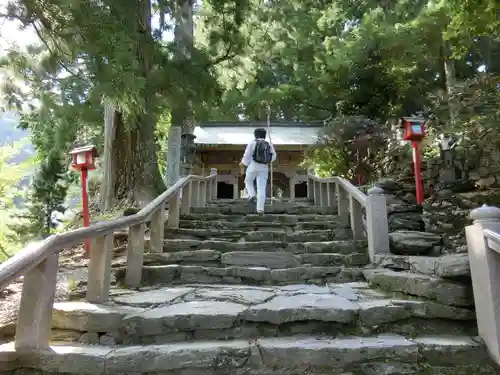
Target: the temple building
pixel 221 145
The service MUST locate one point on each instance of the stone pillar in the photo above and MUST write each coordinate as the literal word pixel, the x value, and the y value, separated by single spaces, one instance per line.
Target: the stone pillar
pixel 377 228
pixel 236 188
pixel 291 180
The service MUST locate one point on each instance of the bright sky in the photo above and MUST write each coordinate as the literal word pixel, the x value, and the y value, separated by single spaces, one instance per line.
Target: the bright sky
pixel 10 33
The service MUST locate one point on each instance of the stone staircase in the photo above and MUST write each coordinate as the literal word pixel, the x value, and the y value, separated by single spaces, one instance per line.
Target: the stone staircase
pixel 289 292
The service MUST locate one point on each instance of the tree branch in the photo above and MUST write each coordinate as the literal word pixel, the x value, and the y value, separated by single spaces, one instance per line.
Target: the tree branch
pixel 226 56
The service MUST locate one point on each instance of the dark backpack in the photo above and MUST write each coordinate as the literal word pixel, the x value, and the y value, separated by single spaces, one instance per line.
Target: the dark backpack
pixel 262 152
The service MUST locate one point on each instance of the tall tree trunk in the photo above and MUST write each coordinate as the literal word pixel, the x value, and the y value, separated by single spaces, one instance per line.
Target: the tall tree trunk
pixel 451 82
pixel 130 152
pixel 182 113
pixel 107 185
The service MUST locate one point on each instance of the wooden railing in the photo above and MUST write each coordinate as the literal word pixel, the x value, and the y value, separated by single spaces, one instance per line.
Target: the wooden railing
pixel 351 203
pixel 38 263
pixel 483 242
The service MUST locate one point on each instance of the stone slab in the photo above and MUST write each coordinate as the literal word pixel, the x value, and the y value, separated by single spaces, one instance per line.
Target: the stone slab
pixel 186 256
pixel 270 209
pixel 84 316
pixel 182 274
pixel 153 297
pixel 175 245
pixel 432 287
pixel 375 312
pixel 292 352
pixel 448 266
pixel 335 259
pixel 302 307
pixel 425 309
pixel 288 219
pixel 246 296
pixel 196 355
pixel 184 316
pixel 293 355
pixel 71 359
pixel 260 259
pixel 335 246
pixel 206 309
pixel 300 235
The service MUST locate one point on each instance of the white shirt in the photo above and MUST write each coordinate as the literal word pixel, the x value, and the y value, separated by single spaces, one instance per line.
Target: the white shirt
pixel 252 165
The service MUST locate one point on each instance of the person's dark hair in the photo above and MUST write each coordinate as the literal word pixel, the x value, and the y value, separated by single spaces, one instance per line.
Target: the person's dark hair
pixel 260 133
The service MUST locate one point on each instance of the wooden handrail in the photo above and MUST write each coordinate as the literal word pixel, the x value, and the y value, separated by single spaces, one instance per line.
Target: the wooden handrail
pixel 353 190
pixel 350 203
pixel 38 262
pixel 36 252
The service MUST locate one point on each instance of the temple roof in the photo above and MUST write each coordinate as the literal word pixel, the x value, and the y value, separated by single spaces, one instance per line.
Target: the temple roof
pixel 240 133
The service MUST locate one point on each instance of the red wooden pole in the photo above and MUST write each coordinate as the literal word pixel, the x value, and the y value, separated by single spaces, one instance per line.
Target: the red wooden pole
pixel 418 173
pixel 85 206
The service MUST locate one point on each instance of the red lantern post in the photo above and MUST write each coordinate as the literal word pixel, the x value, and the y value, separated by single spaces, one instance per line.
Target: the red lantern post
pixel 84 159
pixel 414 131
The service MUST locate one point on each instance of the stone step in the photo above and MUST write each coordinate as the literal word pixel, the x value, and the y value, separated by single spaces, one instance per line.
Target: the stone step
pixel 263 225
pixel 181 274
pixel 288 219
pixel 296 355
pixel 269 259
pixel 447 266
pixel 444 291
pixel 258 236
pixel 269 209
pixel 198 312
pixel 296 201
pixel 335 247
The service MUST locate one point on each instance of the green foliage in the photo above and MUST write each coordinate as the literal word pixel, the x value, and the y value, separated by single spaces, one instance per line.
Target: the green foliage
pixel 343 145
pixel 10 175
pixel 161 136
pixel 46 197
pixel 91 51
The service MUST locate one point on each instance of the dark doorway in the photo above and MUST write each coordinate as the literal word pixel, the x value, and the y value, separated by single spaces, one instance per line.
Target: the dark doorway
pixel 301 190
pixel 224 190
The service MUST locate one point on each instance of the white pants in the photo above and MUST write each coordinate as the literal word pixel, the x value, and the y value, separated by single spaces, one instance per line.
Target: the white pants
pixel 261 177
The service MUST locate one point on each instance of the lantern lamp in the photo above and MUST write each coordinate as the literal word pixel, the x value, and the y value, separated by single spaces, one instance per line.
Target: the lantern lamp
pixel 413 128
pixel 188 148
pixel 84 158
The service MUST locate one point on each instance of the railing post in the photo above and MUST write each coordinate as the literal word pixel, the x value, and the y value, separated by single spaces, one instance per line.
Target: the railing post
pixel 195 193
pixel 157 230
pixel 209 190
pixel 310 187
pixel 342 201
pixel 186 198
pixel 324 194
pixel 332 194
pixel 99 274
pixel 356 212
pixel 135 255
pixel 203 193
pixel 34 319
pixel 173 211
pixel 213 172
pixel 485 273
pixel 317 192
pixel 377 228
